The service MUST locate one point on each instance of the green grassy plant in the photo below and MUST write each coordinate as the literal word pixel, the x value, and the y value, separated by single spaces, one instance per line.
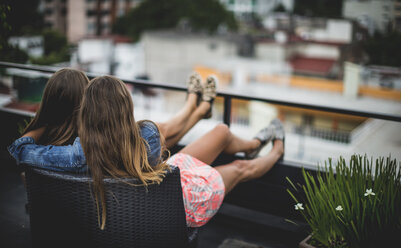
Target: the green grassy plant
pixel 352 205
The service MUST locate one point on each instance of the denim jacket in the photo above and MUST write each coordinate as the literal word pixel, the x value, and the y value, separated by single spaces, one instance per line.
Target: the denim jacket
pixel 71 158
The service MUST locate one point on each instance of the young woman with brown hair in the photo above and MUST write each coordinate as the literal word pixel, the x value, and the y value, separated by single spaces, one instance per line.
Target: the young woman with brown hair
pixel 58 111
pixel 112 146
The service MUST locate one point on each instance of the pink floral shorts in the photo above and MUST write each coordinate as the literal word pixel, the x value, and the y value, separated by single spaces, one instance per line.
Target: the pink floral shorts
pixel 202 188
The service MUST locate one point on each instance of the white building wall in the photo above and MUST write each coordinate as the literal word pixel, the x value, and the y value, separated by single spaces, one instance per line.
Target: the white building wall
pixel 130 59
pixel 271 52
pixel 280 53
pixel 261 7
pixel 374 14
pixel 33 45
pixel 318 51
pixel 76 20
pixel 338 31
pixel 97 54
pixel 170 57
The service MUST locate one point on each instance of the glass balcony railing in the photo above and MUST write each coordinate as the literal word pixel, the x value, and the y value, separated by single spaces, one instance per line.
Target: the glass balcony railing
pixel 318 126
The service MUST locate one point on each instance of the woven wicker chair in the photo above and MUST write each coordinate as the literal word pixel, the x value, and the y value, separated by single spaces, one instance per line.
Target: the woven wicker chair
pixel 63 212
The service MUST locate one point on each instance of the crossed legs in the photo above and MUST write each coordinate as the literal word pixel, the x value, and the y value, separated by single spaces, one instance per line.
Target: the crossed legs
pixel 175 128
pixel 219 140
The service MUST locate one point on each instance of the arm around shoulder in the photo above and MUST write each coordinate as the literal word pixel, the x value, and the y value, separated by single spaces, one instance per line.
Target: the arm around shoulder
pixel 59 158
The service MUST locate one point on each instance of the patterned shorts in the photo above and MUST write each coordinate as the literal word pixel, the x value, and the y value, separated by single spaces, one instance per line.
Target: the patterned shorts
pixel 202 188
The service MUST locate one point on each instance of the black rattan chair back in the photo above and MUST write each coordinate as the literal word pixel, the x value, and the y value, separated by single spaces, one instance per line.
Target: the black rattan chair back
pixel 63 212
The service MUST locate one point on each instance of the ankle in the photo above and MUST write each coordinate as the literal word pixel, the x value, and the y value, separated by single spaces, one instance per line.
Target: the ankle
pixel 255 144
pixel 203 108
pixel 278 147
pixel 191 101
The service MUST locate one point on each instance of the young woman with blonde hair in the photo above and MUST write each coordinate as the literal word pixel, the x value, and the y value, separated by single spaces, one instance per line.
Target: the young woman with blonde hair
pixel 110 144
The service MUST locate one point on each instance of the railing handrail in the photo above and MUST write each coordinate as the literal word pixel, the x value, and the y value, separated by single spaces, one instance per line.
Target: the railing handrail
pixel 227 96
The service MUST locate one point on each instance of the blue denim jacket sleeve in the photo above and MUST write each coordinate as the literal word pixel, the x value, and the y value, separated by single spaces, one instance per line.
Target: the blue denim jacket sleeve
pixel 69 158
pixel 151 135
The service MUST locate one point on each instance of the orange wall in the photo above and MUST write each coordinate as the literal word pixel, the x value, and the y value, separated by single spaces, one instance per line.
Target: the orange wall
pixel 380 93
pixel 204 72
pixel 337 86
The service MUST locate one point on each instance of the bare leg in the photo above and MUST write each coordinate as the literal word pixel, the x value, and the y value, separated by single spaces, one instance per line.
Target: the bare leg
pixel 244 170
pixel 196 116
pixel 218 140
pixel 173 126
pixel 174 129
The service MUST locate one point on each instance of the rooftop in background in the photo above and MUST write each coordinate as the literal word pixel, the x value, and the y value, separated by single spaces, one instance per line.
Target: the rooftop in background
pixel 313 66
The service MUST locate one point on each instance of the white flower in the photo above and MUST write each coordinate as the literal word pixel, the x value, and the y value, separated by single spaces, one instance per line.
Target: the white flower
pixel 299 206
pixel 339 208
pixel 369 192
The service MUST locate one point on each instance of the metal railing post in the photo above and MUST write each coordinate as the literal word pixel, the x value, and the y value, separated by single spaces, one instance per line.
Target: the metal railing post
pixel 227 110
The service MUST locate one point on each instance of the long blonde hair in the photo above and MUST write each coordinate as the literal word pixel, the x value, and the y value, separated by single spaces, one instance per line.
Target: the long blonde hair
pixel 111 138
pixel 59 107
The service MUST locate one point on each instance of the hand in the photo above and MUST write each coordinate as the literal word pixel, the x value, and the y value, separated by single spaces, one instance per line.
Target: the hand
pixel 35 134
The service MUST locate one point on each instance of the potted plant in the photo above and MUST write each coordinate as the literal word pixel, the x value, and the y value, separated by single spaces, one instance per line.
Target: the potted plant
pixel 351 205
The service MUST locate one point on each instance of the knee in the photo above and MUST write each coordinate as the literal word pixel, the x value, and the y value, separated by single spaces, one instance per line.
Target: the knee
pixel 223 129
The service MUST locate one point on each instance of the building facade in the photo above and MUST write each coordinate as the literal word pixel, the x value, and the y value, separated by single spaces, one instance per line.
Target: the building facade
pixel 375 15
pixel 79 18
pixel 244 8
pixel 54 12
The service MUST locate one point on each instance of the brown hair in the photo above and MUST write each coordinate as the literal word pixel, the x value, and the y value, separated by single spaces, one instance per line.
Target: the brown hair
pixel 59 107
pixel 111 138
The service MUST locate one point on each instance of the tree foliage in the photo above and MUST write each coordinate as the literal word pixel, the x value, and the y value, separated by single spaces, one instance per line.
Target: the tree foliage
pixel 56 48
pixel 319 8
pixel 384 48
pixel 17 17
pixel 205 15
pixel 280 8
pixel 54 41
pixel 23 16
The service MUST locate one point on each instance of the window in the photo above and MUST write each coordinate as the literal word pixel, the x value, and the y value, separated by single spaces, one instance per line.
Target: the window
pixel 91 28
pixel 48 24
pixel 120 12
pixel 398 22
pixel 48 11
pixel 91 12
pixel 105 12
pixel 212 46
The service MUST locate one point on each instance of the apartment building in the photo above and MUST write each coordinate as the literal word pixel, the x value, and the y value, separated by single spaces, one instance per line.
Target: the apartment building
pixel 79 18
pixel 375 15
pixel 54 12
pixel 244 8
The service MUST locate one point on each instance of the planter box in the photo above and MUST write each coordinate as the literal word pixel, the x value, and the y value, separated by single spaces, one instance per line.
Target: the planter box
pixel 29 84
